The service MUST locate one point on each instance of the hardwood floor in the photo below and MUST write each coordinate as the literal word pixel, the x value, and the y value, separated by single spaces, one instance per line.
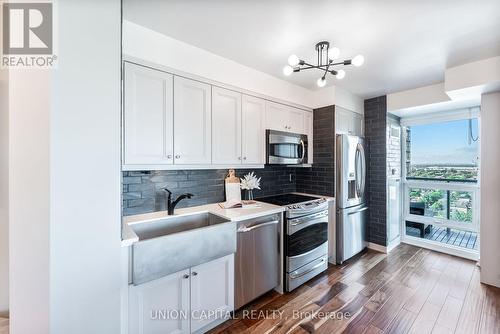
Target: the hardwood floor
pixel 4 326
pixel 411 290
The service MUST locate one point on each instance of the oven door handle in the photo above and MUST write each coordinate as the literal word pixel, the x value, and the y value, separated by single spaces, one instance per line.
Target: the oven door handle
pixel 244 229
pixel 316 266
pixel 294 227
pixel 300 221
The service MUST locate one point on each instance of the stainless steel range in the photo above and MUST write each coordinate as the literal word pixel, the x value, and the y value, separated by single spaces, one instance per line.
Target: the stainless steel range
pixel 305 237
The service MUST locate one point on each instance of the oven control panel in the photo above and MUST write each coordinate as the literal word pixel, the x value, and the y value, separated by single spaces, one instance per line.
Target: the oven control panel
pixel 295 210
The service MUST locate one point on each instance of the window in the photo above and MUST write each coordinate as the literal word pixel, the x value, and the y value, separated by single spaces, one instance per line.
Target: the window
pixel 442 204
pixel 441 180
pixel 443 151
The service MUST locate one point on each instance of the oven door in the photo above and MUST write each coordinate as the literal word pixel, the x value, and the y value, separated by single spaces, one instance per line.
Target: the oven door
pixel 306 239
pixel 283 148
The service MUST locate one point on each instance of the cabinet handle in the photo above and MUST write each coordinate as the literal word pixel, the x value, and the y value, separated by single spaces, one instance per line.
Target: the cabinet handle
pixel 195 273
pixel 177 156
pixel 186 276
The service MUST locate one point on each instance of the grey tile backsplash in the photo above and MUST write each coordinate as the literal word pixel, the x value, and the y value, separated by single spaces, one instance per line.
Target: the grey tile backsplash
pixel 143 191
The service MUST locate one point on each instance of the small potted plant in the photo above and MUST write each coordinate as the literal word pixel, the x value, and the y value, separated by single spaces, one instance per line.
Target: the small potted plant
pixel 250 182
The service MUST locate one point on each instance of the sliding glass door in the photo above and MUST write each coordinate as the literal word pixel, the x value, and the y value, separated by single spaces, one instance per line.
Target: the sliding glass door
pixel 441 184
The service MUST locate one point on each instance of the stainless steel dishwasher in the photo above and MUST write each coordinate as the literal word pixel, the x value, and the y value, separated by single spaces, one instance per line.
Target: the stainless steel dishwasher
pixel 258 262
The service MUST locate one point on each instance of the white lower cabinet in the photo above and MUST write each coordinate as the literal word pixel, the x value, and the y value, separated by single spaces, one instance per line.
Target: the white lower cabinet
pixel 156 307
pixel 191 300
pixel 212 291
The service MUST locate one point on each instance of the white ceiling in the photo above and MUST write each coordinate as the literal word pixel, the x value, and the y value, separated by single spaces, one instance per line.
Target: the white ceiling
pixel 406 43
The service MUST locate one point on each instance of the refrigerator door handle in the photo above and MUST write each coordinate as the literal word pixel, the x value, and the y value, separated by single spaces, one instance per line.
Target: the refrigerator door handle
pixel 358 211
pixel 363 170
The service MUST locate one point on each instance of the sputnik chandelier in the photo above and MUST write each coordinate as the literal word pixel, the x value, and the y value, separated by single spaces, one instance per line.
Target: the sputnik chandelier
pixel 326 58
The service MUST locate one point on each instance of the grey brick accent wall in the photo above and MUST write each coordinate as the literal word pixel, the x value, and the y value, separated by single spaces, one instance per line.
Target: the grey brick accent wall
pixel 376 134
pixel 142 190
pixel 393 146
pixel 320 178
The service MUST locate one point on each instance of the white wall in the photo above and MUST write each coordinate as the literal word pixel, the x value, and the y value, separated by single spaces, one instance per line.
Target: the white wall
pixel 29 117
pixel 349 101
pixel 473 79
pixel 490 189
pixel 149 45
pixel 4 190
pixel 417 97
pixel 85 173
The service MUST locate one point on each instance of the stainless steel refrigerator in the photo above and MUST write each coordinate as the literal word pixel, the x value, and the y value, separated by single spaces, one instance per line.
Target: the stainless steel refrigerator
pixel 352 212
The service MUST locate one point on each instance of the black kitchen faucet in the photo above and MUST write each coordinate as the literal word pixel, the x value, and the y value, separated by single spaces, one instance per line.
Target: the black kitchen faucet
pixel 171 205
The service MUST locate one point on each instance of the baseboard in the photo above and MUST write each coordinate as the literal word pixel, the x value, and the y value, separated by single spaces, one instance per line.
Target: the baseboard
pixel 377 247
pixel 395 243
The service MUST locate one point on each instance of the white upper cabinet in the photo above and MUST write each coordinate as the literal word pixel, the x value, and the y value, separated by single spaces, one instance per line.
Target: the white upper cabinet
pixel 226 126
pixel 192 122
pixel 296 121
pixel 147 116
pixel 253 136
pixel 348 122
pixel 276 116
pixel 174 122
pixel 212 289
pixel 284 118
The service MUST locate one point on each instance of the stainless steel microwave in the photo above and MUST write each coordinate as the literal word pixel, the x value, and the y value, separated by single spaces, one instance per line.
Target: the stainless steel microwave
pixel 284 148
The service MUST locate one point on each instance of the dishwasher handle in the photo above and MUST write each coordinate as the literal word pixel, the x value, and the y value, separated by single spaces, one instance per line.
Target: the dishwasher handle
pixel 244 229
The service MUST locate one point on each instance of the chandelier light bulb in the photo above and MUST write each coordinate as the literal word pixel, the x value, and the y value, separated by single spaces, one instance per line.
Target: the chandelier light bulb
pixel 293 60
pixel 333 53
pixel 287 70
pixel 321 82
pixel 340 74
pixel 358 60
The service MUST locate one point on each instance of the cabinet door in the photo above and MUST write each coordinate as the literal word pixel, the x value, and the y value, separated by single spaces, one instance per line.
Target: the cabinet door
pixel 357 124
pixel 342 121
pixel 212 288
pixel 226 126
pixel 276 116
pixel 253 138
pixel 296 121
pixel 192 121
pixel 160 306
pixel 147 116
pixel 308 127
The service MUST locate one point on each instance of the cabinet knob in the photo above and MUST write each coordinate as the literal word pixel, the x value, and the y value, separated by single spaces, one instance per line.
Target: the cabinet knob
pixel 169 156
pixel 195 273
pixel 186 276
pixel 239 158
pixel 244 158
pixel 177 156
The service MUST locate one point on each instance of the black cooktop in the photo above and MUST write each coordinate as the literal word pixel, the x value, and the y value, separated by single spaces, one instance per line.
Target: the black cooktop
pixel 286 199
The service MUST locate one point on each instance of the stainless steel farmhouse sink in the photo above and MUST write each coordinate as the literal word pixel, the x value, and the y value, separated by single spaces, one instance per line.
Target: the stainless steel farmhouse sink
pixel 175 243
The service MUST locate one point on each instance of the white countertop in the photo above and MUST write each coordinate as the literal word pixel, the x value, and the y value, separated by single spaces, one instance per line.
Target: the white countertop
pixel 237 214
